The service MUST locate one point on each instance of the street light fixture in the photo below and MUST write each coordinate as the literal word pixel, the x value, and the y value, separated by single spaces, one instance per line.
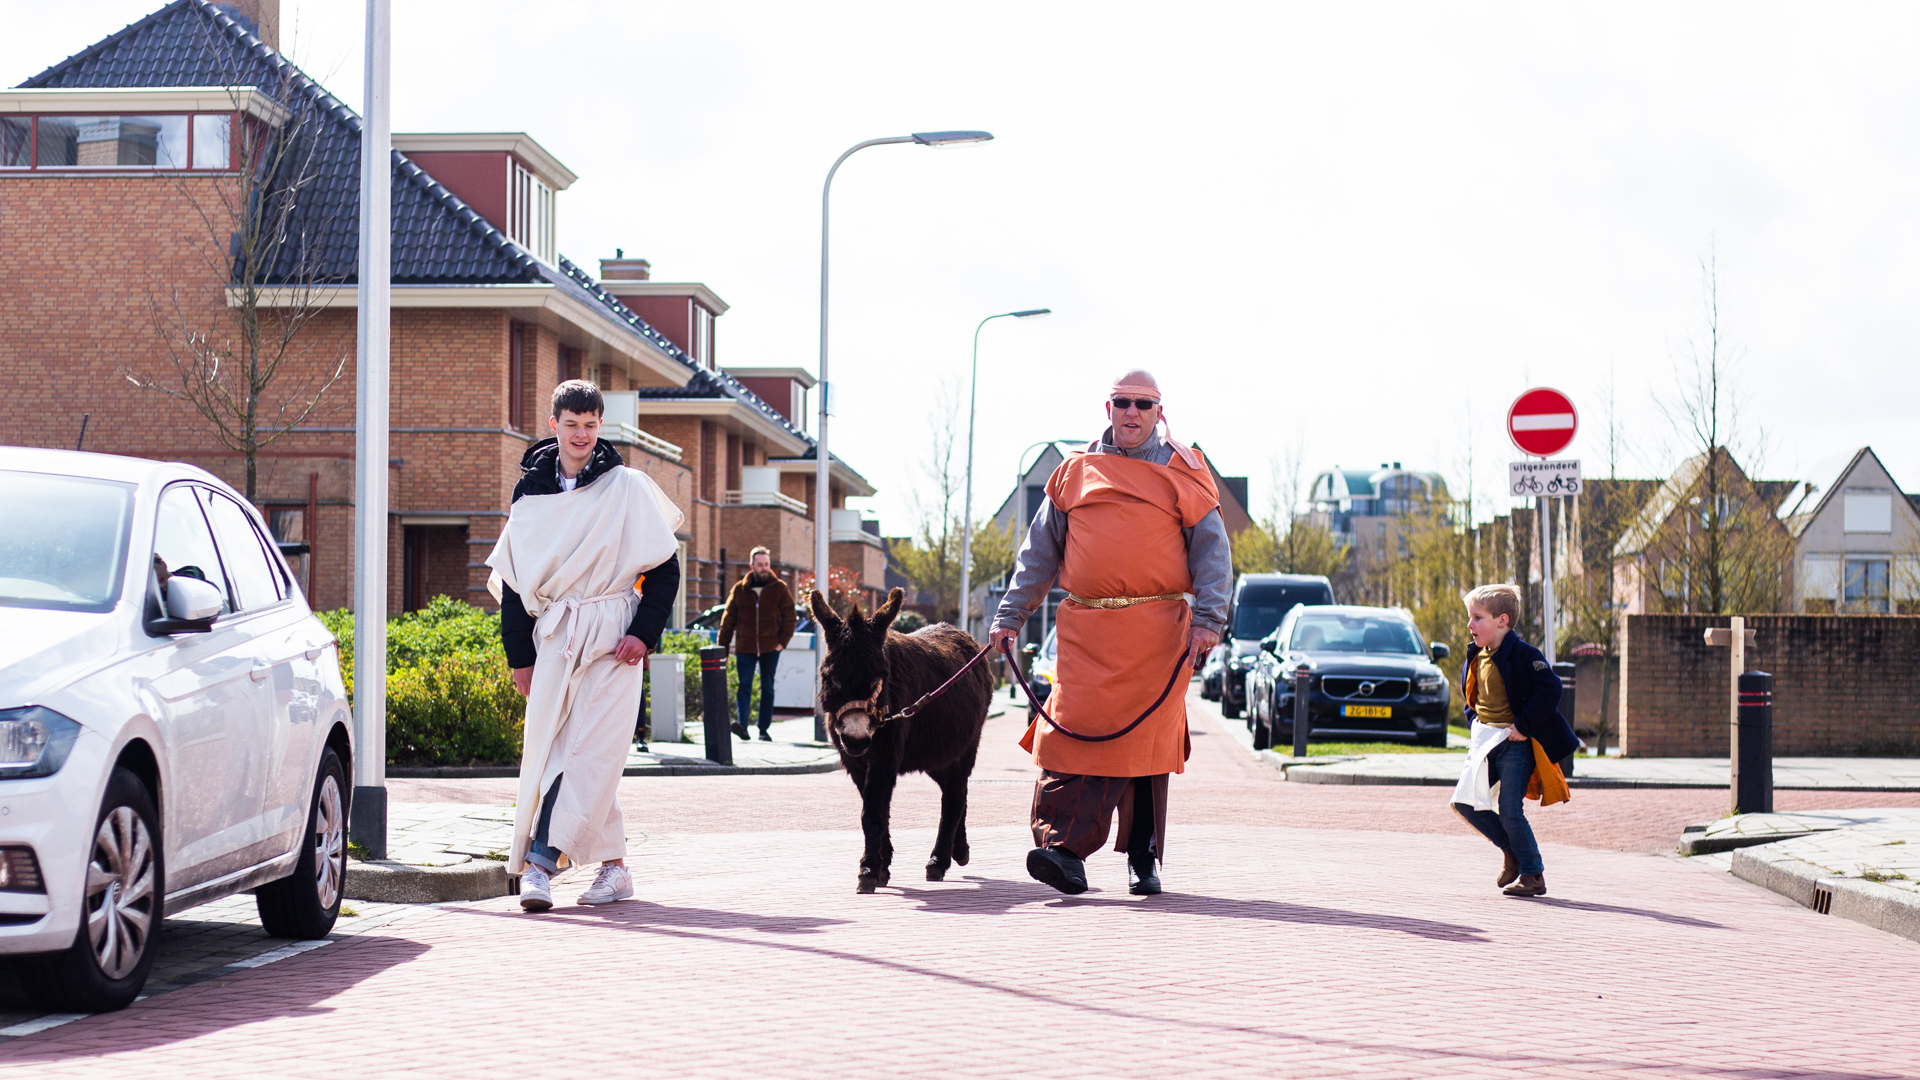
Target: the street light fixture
pixel 823 512
pixel 966 527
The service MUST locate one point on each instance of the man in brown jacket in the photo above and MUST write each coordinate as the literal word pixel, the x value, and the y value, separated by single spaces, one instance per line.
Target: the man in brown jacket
pixel 758 624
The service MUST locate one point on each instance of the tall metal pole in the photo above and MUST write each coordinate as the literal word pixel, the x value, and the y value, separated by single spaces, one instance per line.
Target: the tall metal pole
pixel 369 819
pixel 966 511
pixel 1544 510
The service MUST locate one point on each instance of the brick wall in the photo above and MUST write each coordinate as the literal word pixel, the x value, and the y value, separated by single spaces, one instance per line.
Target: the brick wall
pixel 1843 684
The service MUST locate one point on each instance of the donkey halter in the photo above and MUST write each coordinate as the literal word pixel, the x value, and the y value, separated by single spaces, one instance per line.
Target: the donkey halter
pixel 868 705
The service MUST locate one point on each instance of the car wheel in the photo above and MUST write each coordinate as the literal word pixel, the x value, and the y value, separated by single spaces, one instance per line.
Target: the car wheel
pixel 112 952
pixel 305 903
pixel 1229 708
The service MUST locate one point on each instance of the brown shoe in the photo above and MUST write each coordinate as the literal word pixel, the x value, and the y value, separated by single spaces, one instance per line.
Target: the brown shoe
pixel 1508 871
pixel 1528 885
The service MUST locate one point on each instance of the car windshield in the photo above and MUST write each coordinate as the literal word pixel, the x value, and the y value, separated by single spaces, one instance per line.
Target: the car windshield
pixel 1354 634
pixel 1258 610
pixel 63 541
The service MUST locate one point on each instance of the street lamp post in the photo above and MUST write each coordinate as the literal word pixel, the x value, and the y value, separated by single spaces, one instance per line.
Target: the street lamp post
pixel 966 512
pixel 822 505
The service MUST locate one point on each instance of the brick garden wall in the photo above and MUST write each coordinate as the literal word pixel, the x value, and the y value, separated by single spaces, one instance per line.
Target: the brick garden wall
pixel 1843 684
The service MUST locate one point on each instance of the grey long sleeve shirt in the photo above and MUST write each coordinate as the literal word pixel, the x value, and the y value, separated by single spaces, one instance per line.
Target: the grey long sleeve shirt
pixel 1209 562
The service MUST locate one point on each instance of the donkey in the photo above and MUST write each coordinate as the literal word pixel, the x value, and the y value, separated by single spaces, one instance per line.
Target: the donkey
pixel 871 673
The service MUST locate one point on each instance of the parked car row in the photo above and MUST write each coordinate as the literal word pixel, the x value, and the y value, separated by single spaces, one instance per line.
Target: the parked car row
pixel 1370 678
pixel 1260 601
pixel 173 725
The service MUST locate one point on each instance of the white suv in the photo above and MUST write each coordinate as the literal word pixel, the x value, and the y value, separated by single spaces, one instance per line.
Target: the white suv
pixel 173 727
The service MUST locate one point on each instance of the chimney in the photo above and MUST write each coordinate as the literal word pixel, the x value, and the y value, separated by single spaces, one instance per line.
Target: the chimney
pixel 262 17
pixel 621 268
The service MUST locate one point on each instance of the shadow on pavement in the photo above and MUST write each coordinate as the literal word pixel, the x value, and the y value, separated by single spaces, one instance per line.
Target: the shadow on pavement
pixel 291 987
pixel 643 914
pixel 1614 909
pixel 991 897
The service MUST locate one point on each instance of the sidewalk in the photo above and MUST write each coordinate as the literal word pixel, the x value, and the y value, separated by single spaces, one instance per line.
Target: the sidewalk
pixel 1862 865
pixel 792 751
pixel 1443 770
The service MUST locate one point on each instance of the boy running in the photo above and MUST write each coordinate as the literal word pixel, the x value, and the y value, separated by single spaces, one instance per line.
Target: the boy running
pixel 583 531
pixel 1513 700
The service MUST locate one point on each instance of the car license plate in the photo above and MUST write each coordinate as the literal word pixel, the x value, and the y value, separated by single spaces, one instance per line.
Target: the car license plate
pixel 1377 712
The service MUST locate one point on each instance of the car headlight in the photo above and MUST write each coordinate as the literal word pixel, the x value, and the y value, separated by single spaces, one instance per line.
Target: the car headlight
pixel 1430 683
pixel 34 741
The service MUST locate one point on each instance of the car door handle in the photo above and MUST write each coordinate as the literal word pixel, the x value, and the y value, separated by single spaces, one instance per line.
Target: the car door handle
pixel 260 674
pixel 314 654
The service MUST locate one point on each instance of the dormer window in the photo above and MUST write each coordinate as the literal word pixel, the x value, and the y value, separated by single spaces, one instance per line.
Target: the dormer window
pixel 529 211
pixel 150 141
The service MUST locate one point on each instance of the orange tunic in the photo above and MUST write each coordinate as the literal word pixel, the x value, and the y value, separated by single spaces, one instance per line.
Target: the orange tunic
pixel 1124 522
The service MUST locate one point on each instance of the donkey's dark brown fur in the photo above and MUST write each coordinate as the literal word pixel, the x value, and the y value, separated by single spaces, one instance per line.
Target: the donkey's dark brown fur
pixel 870 673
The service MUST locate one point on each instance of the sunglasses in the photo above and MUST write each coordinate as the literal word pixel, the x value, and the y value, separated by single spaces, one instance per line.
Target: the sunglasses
pixel 1123 404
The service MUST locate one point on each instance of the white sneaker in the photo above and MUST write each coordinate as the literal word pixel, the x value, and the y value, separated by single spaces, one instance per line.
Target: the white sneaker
pixel 610 884
pixel 536 889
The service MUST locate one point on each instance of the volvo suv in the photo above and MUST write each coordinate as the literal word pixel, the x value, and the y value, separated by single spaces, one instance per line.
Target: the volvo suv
pixel 1370 678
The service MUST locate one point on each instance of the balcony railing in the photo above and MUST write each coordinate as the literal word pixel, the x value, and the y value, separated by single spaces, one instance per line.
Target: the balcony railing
pixel 614 431
pixel 764 498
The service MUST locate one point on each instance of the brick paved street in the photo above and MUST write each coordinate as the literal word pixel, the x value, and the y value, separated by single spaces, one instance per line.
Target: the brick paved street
pixel 1307 931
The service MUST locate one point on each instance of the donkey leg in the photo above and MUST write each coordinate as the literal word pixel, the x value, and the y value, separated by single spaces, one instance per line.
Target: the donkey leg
pixel 964 770
pixel 876 798
pixel 953 811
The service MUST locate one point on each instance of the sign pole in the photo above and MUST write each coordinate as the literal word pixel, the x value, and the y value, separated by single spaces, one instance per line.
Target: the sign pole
pixel 1544 511
pixel 1541 422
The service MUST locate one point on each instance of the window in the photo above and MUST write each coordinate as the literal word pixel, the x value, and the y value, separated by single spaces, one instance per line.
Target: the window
pixel 288 524
pixel 183 545
pixel 569 364
pixel 516 375
pixel 700 333
pixel 243 553
pixel 1259 608
pixel 1866 585
pixel 529 212
pixel 117 141
pixel 1867 513
pixel 63 541
pixel 1355 633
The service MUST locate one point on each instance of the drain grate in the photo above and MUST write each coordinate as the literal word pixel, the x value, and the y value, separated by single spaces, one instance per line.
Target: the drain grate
pixel 1822 899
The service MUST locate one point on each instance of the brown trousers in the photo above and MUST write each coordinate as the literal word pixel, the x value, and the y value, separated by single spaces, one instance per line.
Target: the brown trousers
pixel 1076 812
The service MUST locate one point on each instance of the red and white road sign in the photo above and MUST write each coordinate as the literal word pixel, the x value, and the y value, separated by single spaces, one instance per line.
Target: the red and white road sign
pixel 1541 422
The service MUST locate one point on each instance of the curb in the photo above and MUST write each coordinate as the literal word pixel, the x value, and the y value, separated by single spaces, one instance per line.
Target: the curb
pixel 1870 903
pixel 1314 774
pixel 706 768
pixel 399 883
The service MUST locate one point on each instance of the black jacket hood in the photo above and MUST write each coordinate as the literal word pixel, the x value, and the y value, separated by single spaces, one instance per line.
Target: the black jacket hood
pixel 540 467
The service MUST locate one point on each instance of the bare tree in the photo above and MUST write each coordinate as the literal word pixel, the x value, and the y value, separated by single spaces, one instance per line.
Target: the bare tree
pixel 932 558
pixel 1605 510
pixel 1729 552
pixel 243 366
pixel 1287 541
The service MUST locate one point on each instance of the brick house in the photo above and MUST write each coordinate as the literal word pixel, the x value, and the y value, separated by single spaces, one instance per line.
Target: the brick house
pixel 110 162
pixel 1660 561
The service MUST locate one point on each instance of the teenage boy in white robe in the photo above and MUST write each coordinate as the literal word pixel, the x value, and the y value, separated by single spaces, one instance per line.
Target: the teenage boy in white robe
pixel 585 572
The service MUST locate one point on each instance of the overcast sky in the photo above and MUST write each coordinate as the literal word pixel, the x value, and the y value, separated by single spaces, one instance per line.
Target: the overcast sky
pixel 1358 229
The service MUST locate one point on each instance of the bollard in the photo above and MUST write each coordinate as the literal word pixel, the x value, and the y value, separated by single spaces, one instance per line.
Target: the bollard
pixel 1753 781
pixel 713 704
pixel 1302 719
pixel 1568 678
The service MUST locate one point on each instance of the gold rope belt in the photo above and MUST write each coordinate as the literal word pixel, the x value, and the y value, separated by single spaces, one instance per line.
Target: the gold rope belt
pixel 1111 602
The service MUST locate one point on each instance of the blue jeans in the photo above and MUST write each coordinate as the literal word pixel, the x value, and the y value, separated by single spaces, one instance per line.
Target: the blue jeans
pixel 745 662
pixel 1511 766
pixel 539 852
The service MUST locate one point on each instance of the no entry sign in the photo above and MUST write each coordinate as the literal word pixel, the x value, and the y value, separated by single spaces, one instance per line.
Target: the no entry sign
pixel 1542 422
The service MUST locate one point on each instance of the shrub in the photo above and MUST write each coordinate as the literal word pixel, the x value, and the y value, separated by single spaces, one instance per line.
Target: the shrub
pixel 459 709
pixel 908 621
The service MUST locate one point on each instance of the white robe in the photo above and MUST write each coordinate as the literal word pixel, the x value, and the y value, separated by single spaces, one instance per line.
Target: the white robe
pixel 574 558
pixel 1475 787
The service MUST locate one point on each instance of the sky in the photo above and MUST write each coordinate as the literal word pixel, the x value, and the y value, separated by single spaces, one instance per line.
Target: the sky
pixel 1338 234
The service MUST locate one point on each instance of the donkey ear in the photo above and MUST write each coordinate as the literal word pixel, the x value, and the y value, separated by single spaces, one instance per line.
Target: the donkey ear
pixel 883 618
pixel 823 613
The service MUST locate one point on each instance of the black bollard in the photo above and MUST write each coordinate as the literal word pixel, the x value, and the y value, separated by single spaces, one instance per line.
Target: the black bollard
pixel 1753 782
pixel 1302 718
pixel 713 704
pixel 1568 678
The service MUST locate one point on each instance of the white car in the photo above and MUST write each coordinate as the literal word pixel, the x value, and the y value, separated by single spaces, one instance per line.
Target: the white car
pixel 173 727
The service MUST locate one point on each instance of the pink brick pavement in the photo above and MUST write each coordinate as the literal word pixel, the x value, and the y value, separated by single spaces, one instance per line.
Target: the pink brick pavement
pixel 1325 951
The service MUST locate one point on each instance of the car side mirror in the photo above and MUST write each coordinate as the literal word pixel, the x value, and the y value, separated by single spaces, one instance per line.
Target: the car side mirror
pixel 1270 646
pixel 191 606
pixel 1438 650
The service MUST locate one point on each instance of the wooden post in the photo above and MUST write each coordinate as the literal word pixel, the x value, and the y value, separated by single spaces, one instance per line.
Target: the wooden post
pixel 1735 639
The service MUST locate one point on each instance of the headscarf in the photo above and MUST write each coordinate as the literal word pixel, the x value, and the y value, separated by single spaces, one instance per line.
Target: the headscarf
pixel 1143 390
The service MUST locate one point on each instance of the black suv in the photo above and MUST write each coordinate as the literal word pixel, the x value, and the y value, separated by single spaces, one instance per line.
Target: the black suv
pixel 1260 601
pixel 1372 679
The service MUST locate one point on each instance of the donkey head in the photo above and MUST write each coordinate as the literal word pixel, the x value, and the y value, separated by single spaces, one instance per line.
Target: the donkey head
pixel 853 677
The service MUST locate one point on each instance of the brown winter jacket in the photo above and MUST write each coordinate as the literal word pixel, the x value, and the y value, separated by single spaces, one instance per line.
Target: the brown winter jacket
pixel 763 622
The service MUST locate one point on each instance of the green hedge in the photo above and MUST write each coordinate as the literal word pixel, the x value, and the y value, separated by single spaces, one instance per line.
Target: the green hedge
pixel 450 694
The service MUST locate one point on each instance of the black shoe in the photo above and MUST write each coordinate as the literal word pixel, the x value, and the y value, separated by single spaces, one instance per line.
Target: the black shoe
pixel 765 735
pixel 1143 876
pixel 1059 868
pixel 642 747
pixel 740 730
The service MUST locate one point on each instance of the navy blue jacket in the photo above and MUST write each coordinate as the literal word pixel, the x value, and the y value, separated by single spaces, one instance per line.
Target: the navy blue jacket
pixel 1534 692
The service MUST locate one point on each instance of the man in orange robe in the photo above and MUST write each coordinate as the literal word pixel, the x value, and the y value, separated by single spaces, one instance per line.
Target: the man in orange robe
pixel 1131 528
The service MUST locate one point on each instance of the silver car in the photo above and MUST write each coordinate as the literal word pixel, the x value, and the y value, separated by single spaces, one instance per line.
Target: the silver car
pixel 173 727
